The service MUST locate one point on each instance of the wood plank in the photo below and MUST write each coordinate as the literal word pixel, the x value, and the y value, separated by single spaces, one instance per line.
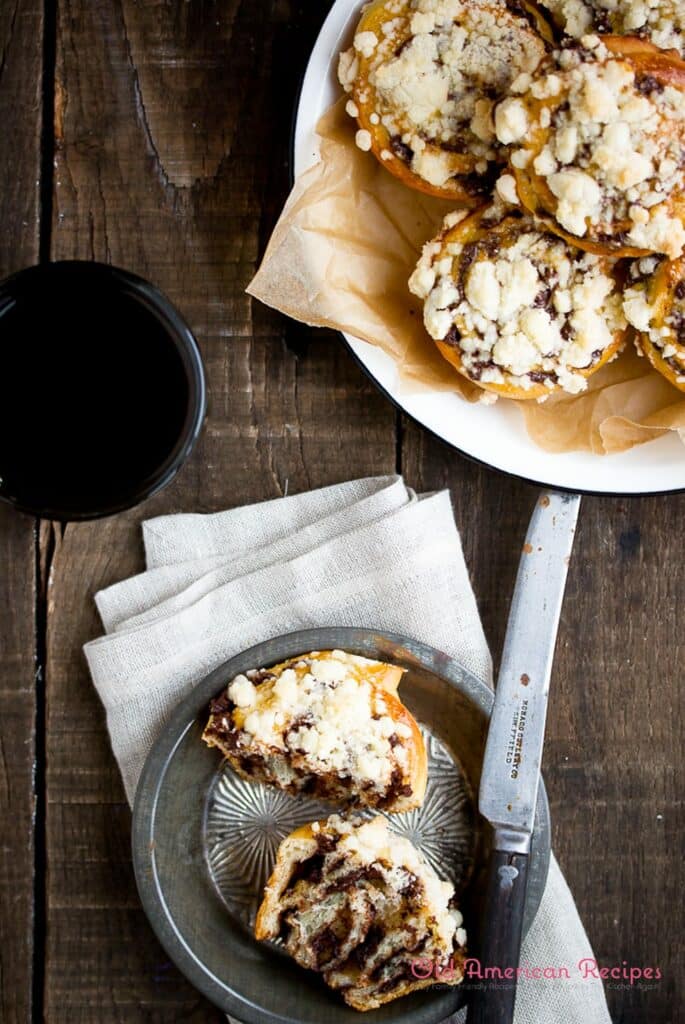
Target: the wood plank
pixel 613 757
pixel 171 160
pixel 21 33
pixel 21 61
pixel 17 754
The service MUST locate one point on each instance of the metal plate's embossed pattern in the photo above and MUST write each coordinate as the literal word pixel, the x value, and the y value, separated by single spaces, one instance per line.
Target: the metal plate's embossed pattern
pixel 244 826
pixel 245 822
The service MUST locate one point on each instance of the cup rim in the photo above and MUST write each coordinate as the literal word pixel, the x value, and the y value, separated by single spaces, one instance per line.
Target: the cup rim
pixel 186 345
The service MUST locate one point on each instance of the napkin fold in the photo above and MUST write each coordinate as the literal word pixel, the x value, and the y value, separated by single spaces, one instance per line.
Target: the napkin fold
pixel 364 553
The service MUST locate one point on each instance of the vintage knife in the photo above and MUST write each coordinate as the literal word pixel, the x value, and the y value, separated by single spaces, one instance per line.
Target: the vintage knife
pixel 513 752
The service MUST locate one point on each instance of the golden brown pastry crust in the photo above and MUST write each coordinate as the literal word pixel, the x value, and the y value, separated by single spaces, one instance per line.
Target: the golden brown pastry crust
pixel 523 31
pixel 484 236
pixel 655 305
pixel 361 906
pixel 606 237
pixel 378 757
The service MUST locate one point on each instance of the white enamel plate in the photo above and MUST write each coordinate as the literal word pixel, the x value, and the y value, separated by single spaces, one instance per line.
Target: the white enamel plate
pixel 495 435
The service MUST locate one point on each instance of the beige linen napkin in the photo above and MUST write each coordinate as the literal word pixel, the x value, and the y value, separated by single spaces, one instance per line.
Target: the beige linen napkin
pixel 364 553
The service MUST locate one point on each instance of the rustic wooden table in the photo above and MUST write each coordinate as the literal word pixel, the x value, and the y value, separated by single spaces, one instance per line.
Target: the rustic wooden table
pixel 154 134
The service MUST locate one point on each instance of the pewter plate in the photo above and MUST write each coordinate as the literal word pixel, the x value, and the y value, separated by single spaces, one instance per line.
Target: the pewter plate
pixel 203 841
pixel 246 822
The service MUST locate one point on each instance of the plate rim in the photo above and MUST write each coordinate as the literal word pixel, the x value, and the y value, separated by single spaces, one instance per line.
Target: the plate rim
pixel 182 718
pixel 352 343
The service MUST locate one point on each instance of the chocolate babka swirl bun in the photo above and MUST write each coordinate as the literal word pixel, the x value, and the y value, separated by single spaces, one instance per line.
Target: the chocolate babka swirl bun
pixel 654 303
pixel 327 723
pixel 514 308
pixel 423 77
pixel 597 141
pixel 363 907
pixel 661 22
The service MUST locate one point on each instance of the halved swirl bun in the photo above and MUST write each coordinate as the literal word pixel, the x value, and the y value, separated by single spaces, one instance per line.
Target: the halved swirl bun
pixel 423 77
pixel 597 142
pixel 362 906
pixel 327 723
pixel 662 22
pixel 514 308
pixel 654 303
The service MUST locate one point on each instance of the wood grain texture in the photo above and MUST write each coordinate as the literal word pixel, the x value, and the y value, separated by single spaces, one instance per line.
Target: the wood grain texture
pixel 21 61
pixel 20 117
pixel 17 753
pixel 172 130
pixel 613 756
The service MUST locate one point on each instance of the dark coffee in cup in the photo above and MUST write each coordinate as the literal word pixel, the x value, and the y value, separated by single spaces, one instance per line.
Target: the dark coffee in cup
pixel 103 391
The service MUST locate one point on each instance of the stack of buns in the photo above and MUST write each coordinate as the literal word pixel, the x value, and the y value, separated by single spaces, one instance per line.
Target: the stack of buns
pixel 558 129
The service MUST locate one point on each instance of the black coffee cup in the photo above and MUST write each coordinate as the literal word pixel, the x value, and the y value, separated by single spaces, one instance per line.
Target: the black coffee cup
pixel 102 390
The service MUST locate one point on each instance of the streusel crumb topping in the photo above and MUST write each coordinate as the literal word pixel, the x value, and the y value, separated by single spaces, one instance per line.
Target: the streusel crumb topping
pixel 643 307
pixel 614 154
pixel 522 306
pixel 433 74
pixel 660 21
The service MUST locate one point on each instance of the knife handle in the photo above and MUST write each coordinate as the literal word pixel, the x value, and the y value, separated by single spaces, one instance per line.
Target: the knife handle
pixel 501 938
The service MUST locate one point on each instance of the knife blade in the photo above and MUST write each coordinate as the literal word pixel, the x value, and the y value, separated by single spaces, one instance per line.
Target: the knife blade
pixel 513 752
